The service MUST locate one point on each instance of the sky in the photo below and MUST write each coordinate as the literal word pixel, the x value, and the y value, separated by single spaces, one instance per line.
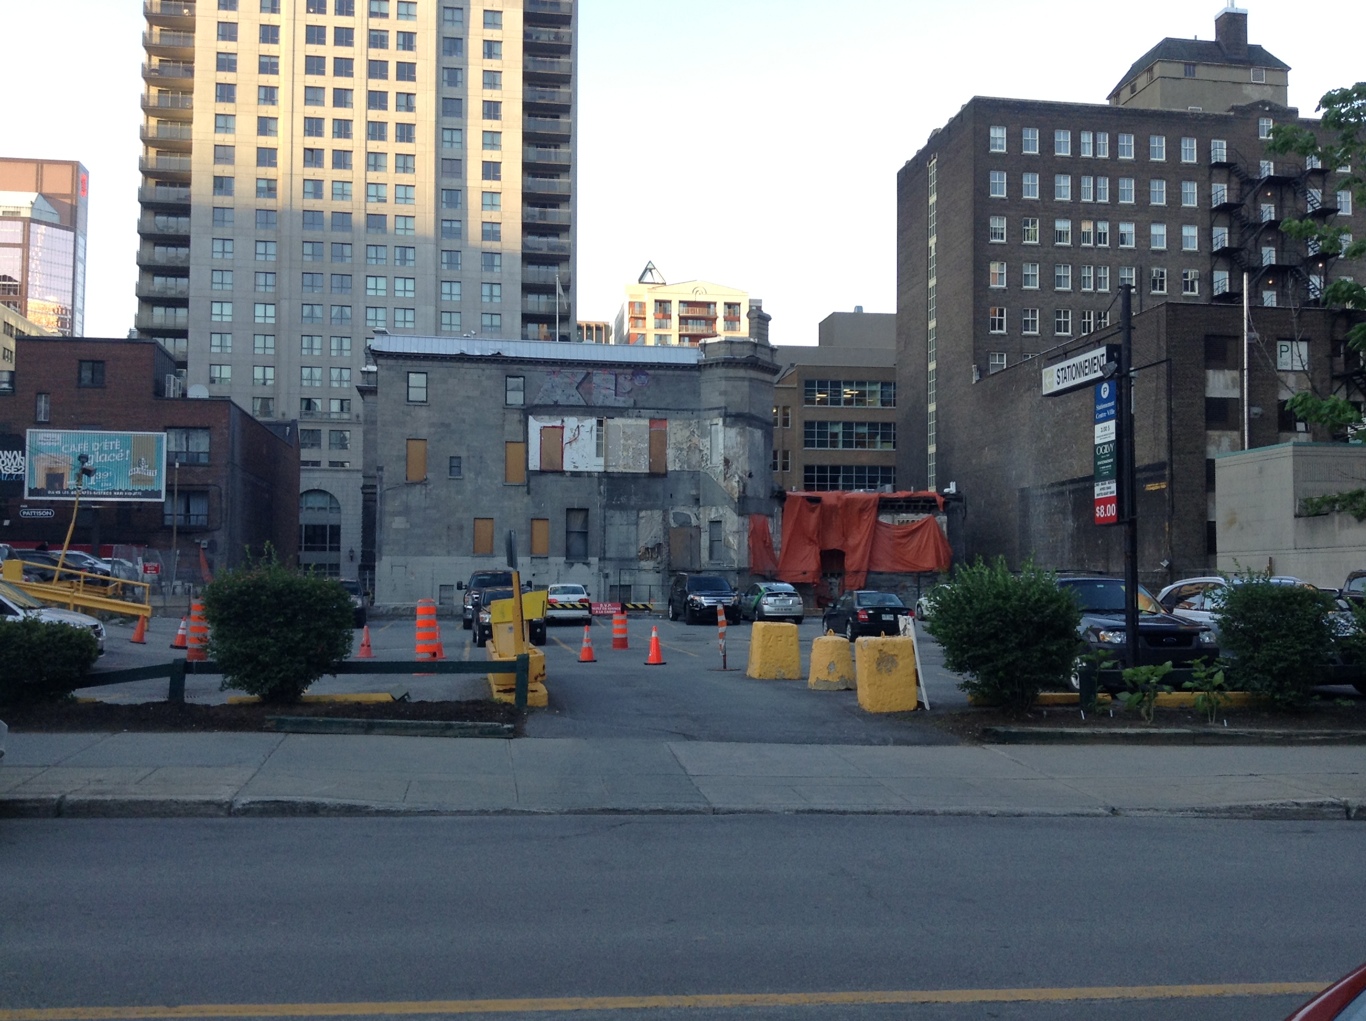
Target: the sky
pixel 749 144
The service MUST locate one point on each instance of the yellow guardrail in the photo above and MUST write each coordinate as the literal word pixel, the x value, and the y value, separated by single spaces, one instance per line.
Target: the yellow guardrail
pixel 81 590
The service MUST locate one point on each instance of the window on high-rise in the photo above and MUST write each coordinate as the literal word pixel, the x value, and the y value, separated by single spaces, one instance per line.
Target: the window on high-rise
pixel 341 159
pixel 343 99
pixel 227 31
pixel 493 110
pixel 227 63
pixel 493 49
pixel 315 35
pixel 378 39
pixel 405 71
pixel 405 134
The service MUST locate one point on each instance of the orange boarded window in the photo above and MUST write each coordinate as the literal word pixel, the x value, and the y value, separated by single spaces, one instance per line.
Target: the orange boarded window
pixel 483 536
pixel 417 461
pixel 540 537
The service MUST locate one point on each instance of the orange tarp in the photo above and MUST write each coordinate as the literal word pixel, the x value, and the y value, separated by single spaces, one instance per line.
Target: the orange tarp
pixel 848 522
pixel 761 559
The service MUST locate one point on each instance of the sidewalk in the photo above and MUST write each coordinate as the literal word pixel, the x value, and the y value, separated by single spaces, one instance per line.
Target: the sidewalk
pixel 220 774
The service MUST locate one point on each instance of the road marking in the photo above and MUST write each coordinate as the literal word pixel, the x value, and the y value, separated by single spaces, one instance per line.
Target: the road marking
pixel 714 1001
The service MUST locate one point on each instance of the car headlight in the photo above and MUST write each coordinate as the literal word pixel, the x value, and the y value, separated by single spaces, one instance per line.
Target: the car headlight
pixel 1110 637
pixel 1207 638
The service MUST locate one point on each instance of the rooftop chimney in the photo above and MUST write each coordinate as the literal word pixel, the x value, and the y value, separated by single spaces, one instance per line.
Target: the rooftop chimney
pixel 1230 31
pixel 758 321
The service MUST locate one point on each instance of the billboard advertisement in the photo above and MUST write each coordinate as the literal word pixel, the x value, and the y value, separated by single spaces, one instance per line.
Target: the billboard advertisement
pixel 98 465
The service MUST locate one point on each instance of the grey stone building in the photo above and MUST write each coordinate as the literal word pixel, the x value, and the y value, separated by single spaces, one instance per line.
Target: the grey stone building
pixel 1019 221
pixel 614 466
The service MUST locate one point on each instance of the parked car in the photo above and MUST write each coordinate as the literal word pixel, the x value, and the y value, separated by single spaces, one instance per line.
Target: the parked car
pixel 1344 1000
pixel 360 614
pixel 16 604
pixel 771 600
pixel 568 602
pixel 41 565
pixel 865 612
pixel 483 621
pixel 1162 637
pixel 1200 599
pixel 1354 588
pixel 694 597
pixel 481 580
pixel 924 606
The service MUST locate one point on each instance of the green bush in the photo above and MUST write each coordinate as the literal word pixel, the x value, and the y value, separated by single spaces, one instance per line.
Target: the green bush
pixel 1278 638
pixel 41 661
pixel 274 631
pixel 1012 635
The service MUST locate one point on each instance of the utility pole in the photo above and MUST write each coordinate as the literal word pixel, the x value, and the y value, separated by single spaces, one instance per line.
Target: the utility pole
pixel 1128 472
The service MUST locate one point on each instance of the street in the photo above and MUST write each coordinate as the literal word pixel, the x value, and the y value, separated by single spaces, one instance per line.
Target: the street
pixel 403 916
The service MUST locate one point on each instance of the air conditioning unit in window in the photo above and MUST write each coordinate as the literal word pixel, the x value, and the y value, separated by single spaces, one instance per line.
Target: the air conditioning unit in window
pixel 174 386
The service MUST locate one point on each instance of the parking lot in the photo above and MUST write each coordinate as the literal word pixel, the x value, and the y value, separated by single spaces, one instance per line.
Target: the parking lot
pixel 690 697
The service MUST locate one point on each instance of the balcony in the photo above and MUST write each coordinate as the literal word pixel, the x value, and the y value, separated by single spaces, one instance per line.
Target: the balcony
pixel 544 155
pixel 539 275
pixel 170 13
pixel 545 95
pixel 167 136
pixel 158 256
pixel 544 305
pixel 542 214
pixel 548 12
pixel 545 245
pixel 163 195
pixel 547 40
pixel 169 105
pixel 163 287
pixel 159 165
pixel 171 72
pixel 552 67
pixel 553 127
pixel 163 317
pixel 163 226
pixel 556 186
pixel 163 43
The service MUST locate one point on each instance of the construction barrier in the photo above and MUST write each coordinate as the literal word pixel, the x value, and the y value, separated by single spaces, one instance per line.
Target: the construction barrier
pixel 884 673
pixel 198 652
pixel 620 636
pixel 832 664
pixel 775 651
pixel 428 645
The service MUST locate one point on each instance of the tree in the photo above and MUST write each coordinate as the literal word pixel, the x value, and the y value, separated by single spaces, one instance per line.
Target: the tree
pixel 1339 143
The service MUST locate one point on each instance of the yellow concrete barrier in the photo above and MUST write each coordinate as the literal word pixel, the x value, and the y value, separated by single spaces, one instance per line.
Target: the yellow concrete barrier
pixel 832 664
pixel 775 652
pixel 884 671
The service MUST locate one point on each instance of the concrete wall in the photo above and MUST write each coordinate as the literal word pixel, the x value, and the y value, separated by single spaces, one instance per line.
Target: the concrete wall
pixel 1258 503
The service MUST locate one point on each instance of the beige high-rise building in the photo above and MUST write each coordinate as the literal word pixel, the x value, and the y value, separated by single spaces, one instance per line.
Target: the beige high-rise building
pixel 658 313
pixel 316 171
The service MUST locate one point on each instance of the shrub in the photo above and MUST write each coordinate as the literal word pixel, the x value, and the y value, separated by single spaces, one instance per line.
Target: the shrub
pixel 274 631
pixel 1144 684
pixel 1012 635
pixel 1278 638
pixel 41 661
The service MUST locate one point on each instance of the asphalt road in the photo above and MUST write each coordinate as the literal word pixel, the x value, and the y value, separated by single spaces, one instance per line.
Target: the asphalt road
pixel 690 697
pixel 421 916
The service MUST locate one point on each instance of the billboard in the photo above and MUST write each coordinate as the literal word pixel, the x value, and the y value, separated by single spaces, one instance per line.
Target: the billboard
pixel 101 465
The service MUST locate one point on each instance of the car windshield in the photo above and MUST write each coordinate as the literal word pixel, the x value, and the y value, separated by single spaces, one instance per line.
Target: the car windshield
pixel 494 594
pixel 566 590
pixel 19 597
pixel 778 590
pixel 879 599
pixel 1100 595
pixel 708 585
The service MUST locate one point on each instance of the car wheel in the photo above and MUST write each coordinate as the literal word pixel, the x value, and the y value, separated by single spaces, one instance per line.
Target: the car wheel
pixel 1074 678
pixel 796 620
pixel 1360 686
pixel 849 630
pixel 478 637
pixel 673 614
pixel 467 625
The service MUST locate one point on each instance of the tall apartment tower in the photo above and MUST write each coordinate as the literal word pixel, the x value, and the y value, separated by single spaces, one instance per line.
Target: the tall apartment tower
pixel 43 209
pixel 316 171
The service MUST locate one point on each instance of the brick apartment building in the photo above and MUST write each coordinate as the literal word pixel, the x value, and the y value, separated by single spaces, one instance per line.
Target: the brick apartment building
pixel 236 480
pixel 1019 221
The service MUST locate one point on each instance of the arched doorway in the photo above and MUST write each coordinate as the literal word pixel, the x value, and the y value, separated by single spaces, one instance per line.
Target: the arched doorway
pixel 320 517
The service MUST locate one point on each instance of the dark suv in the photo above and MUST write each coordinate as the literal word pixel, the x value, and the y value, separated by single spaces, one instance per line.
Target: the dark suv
pixel 1162 637
pixel 694 597
pixel 482 580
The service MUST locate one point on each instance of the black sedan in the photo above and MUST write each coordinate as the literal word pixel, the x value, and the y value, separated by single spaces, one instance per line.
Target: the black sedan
pixel 771 600
pixel 866 612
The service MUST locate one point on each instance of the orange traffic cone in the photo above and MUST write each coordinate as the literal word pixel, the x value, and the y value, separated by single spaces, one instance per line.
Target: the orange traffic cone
pixel 656 657
pixel 586 653
pixel 365 652
pixel 620 637
pixel 179 641
pixel 140 632
pixel 199 635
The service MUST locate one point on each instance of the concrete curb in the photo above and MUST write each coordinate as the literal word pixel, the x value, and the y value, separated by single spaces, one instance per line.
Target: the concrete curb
pixel 388 728
pixel 122 807
pixel 1167 735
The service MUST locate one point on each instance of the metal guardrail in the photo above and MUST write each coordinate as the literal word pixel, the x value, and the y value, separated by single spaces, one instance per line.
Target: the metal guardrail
pixel 177 669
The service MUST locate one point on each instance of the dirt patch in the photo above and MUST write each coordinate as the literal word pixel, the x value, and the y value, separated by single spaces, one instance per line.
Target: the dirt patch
pixel 1321 715
pixel 71 715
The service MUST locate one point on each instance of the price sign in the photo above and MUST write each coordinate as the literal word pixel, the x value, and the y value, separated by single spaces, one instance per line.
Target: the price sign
pixel 1106 497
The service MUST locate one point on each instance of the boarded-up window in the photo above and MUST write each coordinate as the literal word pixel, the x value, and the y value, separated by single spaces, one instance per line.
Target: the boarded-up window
pixel 552 448
pixel 417 461
pixel 540 537
pixel 483 536
pixel 514 463
pixel 659 446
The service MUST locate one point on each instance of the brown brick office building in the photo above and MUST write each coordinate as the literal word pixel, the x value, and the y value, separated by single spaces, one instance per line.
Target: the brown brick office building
pixel 237 482
pixel 1019 220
